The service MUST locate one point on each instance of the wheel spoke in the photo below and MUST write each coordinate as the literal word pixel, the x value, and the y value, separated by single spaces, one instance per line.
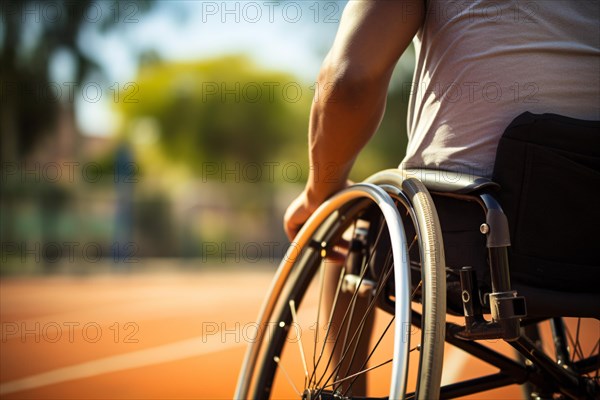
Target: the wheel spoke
pixel 348 326
pixel 363 272
pixel 380 285
pixel 358 373
pixel 322 287
pixel 412 243
pixel 278 361
pixel 335 300
pixel 578 344
pixel 372 351
pixel 352 301
pixel 322 279
pixel 575 342
pixel 383 281
pixel 412 296
pixel 301 348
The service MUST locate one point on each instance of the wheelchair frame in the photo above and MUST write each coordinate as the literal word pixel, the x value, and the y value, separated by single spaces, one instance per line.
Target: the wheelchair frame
pixel 507 309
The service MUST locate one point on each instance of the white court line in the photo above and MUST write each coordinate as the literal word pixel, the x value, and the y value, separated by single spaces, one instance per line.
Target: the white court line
pixel 455 361
pixel 170 352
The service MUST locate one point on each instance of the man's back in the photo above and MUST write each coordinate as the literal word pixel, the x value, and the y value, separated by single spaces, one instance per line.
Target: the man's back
pixel 481 64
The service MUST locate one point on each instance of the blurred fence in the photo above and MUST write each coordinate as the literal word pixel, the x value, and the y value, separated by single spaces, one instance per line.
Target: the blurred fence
pixel 45 225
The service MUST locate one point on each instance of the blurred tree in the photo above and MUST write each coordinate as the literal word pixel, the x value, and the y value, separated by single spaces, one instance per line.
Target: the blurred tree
pixel 31 33
pixel 226 121
pixel 214 113
pixel 211 115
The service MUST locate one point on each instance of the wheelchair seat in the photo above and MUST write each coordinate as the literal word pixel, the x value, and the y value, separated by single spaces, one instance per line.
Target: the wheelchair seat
pixel 448 181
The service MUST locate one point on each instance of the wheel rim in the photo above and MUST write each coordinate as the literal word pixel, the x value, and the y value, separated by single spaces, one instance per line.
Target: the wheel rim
pixel 330 381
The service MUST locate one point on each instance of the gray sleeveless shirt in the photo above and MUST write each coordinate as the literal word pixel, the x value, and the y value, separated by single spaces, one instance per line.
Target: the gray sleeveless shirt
pixel 481 63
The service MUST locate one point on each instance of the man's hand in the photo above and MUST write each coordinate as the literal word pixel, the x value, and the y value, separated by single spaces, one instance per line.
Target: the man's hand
pixel 296 215
pixel 301 209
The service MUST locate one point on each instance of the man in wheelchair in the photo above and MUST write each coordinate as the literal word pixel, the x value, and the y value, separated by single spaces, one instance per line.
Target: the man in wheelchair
pixel 492 210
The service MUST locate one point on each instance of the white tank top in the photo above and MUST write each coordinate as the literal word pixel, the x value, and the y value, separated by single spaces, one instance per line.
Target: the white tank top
pixel 480 64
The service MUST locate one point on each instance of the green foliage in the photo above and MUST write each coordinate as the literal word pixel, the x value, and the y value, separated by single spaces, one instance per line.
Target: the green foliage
pixel 228 112
pixel 29 38
pixel 220 111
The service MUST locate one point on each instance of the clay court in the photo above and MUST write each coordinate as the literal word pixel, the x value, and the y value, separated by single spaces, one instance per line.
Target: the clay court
pixel 154 335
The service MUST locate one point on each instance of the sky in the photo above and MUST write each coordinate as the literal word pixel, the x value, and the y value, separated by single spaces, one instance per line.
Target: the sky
pixel 290 36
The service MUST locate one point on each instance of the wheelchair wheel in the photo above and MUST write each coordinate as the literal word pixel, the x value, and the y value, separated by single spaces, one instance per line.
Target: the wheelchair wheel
pixel 573 344
pixel 337 321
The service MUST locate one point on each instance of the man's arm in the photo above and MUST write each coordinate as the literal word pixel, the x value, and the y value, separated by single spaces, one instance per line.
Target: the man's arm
pixel 350 102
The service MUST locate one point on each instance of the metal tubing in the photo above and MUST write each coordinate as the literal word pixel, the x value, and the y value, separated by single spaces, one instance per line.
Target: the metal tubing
pixel 499 269
pixel 564 378
pixel 476 385
pixel 560 341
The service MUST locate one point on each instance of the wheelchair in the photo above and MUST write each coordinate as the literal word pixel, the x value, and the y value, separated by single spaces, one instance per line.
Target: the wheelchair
pixel 372 271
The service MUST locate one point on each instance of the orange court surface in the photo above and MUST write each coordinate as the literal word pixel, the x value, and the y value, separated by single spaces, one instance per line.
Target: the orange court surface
pixel 155 335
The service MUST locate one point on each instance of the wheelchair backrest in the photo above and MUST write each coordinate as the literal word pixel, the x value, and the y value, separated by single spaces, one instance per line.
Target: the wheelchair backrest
pixel 548 167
